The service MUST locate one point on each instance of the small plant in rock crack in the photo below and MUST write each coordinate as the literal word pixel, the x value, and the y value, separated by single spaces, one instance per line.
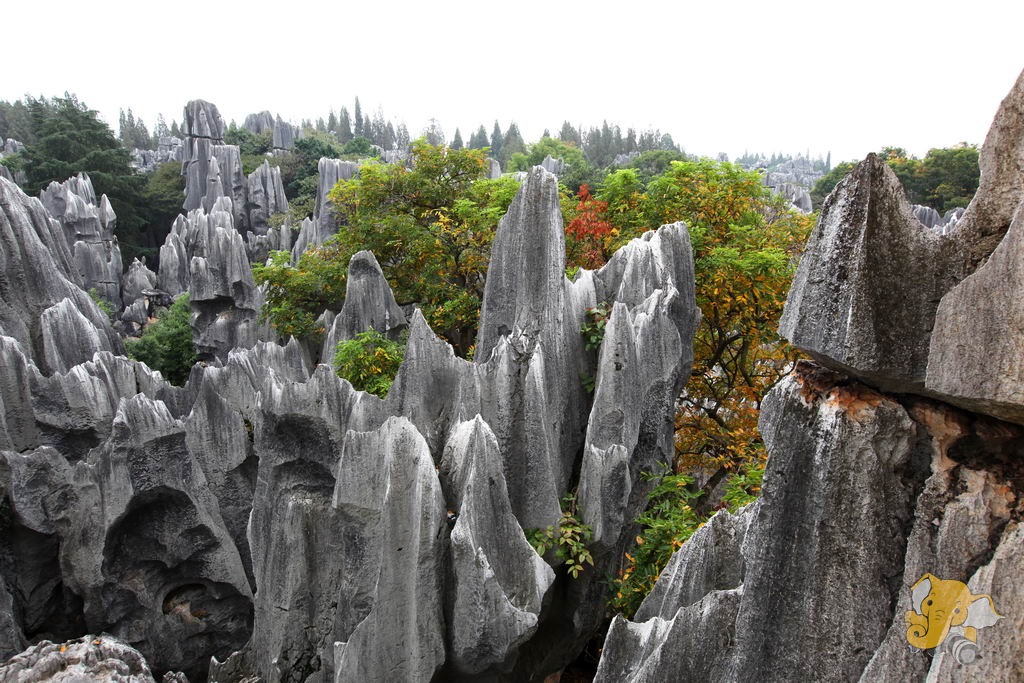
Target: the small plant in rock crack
pixel 593 327
pixel 568 538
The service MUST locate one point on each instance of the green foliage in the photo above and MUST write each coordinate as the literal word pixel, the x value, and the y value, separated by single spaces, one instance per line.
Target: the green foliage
pixel 166 345
pixel 15 122
pixel 358 147
pixel 568 539
pixel 595 320
pixel 161 203
pixel 369 362
pixel 430 227
pixel 945 179
pixel 655 162
pixel 673 515
pixel 579 171
pixel 101 303
pixel 668 522
pixel 69 138
pixel 13 162
pixel 298 294
pixel 743 487
pixel 249 143
pixel 828 182
pixel 133 132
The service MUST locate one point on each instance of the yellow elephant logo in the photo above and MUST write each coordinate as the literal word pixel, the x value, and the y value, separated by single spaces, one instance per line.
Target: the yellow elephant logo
pixel 947 611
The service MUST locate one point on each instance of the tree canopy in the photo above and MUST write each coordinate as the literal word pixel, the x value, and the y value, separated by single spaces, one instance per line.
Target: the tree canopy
pixel 69 138
pixel 429 225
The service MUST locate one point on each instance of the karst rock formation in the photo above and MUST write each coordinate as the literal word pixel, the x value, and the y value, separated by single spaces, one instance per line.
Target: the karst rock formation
pixel 899 454
pixel 268 520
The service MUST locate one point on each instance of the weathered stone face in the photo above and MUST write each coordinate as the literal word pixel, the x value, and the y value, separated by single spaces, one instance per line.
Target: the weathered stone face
pixel 866 492
pixel 909 308
pixel 287 525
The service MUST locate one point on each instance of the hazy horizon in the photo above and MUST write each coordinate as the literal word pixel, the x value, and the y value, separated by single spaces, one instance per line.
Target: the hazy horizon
pixel 789 78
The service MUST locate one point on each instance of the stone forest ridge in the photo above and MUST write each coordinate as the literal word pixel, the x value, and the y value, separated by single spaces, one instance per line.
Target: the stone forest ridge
pixel 268 521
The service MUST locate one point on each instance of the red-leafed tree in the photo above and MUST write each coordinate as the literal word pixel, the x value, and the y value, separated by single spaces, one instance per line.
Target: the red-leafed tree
pixel 589 236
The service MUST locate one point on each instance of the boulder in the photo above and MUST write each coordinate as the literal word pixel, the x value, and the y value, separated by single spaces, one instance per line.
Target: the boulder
pixel 867 294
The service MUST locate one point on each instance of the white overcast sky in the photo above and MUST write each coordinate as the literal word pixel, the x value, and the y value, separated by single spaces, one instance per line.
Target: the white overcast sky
pixel 719 75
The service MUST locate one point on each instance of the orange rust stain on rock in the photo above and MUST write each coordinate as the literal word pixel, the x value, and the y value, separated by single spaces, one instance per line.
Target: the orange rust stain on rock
pixel 854 399
pixel 818 383
pixel 945 425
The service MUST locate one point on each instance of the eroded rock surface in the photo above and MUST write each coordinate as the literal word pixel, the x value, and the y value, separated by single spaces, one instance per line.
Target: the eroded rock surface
pixel 38 275
pixel 867 492
pixel 100 658
pixel 868 292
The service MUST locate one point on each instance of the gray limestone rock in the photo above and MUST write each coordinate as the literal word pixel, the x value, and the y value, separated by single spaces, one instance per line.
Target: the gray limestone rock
pixel 266 197
pixel 330 172
pixel 1000 647
pixel 225 300
pixel 499 581
pixel 203 127
pixel 67 337
pixel 976 351
pixel 866 295
pixel 136 280
pixel 960 515
pixel 259 123
pixel 928 216
pixel 100 658
pixel 227 180
pixel 285 134
pixel 5 173
pixel 863 296
pixel 306 237
pixel 388 493
pixel 369 303
pixel 493 169
pixel 685 627
pixel 817 606
pixel 819 550
pixel 17 421
pixel 38 275
pixel 147 548
pixel 551 165
pixel 289 526
pixel 691 645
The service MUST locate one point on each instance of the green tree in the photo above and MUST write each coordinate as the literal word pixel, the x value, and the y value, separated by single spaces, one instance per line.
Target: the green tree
pixel 745 241
pixel 828 182
pixel 161 203
pixel 430 227
pixel 457 140
pixel 15 122
pixel 497 139
pixel 166 345
pixel 70 138
pixel 512 144
pixel 369 362
pixel 578 172
pixel 358 147
pixel 344 126
pixel 478 140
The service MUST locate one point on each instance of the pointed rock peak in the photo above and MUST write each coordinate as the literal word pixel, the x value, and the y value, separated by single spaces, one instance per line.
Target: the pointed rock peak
pixel 526 277
pixel 1001 185
pixel 144 416
pixel 203 120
